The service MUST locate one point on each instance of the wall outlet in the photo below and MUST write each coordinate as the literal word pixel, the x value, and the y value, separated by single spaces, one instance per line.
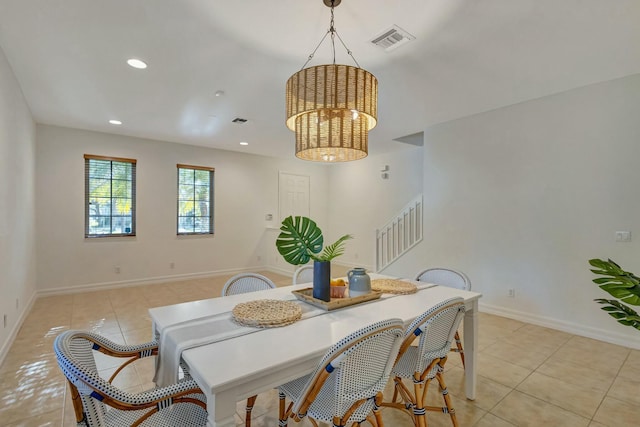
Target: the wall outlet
pixel 512 293
pixel 17 303
pixel 259 258
pixel 172 265
pixel 116 269
pixel 4 321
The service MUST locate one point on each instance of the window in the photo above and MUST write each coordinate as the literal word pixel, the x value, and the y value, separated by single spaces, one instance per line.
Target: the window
pixel 110 196
pixel 195 200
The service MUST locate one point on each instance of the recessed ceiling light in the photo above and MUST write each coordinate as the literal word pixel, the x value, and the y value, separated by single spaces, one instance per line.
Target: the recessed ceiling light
pixel 115 122
pixel 244 143
pixel 219 93
pixel 136 63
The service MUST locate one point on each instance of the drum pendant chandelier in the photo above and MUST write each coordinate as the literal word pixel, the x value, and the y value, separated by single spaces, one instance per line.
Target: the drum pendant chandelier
pixel 331 108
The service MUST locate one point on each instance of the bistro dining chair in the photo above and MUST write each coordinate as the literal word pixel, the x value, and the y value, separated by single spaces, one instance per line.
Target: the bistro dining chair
pixel 98 403
pixel 434 330
pixel 241 284
pixel 452 279
pixel 303 274
pixel 346 387
pixel 247 282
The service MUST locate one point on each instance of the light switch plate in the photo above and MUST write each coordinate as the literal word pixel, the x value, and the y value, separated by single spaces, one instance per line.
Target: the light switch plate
pixel 623 236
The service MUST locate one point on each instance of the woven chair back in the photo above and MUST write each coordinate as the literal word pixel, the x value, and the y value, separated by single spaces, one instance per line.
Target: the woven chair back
pixel 359 365
pixel 436 329
pixel 74 353
pixel 445 277
pixel 247 282
pixel 303 274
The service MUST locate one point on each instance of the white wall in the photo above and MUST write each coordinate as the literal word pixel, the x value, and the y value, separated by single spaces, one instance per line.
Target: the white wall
pixel 361 201
pixel 246 188
pixel 17 205
pixel 523 196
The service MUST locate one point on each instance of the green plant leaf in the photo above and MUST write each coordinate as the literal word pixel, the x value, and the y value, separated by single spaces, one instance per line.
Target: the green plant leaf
pixel 299 240
pixel 334 250
pixel 622 313
pixel 601 280
pixel 617 282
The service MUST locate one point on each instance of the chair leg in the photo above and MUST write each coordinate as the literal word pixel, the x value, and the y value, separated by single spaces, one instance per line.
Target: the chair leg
pixel 395 390
pixel 407 400
pixel 400 389
pixel 459 345
pixel 447 399
pixel 282 412
pixel 250 402
pixel 420 391
pixel 77 403
pixel 376 410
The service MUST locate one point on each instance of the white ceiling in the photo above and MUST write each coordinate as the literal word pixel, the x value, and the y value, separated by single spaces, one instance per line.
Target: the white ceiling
pixel 469 56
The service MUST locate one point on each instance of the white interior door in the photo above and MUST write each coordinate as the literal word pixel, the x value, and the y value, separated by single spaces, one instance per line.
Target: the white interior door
pixel 293 195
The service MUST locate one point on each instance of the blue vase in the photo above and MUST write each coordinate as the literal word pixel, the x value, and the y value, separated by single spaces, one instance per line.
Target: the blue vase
pixel 321 279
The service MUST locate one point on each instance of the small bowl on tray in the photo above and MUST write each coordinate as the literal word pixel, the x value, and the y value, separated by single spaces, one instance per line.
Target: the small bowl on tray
pixel 338 291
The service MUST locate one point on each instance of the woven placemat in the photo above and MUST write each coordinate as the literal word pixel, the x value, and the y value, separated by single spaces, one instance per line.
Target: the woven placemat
pixel 266 313
pixel 391 286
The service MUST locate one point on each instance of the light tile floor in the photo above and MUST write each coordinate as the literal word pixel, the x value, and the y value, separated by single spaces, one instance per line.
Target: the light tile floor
pixel 528 375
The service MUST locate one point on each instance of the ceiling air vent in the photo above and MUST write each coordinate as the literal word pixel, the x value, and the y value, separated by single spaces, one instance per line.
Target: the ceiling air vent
pixel 239 120
pixel 392 38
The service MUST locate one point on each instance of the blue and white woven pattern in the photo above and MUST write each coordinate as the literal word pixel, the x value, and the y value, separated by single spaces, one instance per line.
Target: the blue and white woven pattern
pixel 359 366
pixel 303 274
pixel 247 282
pixel 445 277
pixel 74 352
pixel 435 329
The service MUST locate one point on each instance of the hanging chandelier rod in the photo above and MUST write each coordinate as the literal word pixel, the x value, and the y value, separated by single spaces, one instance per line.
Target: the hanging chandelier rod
pixel 332 30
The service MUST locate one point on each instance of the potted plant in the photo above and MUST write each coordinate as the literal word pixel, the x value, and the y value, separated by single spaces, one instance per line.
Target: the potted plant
pixel 300 241
pixel 622 285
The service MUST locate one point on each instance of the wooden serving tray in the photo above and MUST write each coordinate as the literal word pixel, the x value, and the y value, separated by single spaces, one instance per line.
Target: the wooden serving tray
pixel 306 295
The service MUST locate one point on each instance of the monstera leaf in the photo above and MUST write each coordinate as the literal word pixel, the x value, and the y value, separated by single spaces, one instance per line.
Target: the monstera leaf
pixel 620 312
pixel 301 240
pixel 620 284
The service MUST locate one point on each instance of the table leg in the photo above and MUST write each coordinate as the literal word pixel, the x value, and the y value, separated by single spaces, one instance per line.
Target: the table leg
pixel 221 409
pixel 470 349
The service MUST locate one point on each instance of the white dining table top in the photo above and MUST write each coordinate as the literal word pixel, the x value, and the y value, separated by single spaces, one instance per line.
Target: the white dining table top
pixel 249 359
pixel 176 313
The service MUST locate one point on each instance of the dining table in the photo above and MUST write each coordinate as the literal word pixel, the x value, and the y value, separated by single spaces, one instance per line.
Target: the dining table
pixel 245 364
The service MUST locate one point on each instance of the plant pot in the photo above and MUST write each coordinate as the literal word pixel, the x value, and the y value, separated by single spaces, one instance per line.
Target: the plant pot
pixel 321 280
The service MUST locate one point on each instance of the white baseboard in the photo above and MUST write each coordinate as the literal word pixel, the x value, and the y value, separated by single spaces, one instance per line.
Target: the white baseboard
pixel 148 281
pixel 369 268
pixel 561 325
pixel 279 270
pixel 16 327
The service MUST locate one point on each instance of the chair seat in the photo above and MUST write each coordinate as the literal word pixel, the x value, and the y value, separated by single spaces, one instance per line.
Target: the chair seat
pixel 321 408
pixel 405 367
pixel 183 415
